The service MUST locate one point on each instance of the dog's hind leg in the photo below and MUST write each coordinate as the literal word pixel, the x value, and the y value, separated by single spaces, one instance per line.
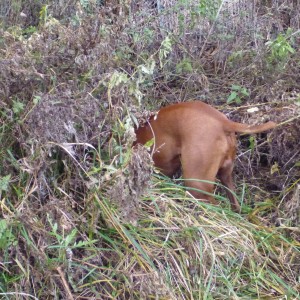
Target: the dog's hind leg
pixel 198 174
pixel 225 176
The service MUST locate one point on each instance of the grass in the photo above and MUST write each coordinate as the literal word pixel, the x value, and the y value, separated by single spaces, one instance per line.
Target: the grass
pixel 178 248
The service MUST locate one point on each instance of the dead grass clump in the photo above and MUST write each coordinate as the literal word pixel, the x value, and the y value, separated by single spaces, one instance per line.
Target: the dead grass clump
pixel 56 86
pixel 288 215
pixel 60 118
pixel 269 158
pixel 130 184
pixel 283 147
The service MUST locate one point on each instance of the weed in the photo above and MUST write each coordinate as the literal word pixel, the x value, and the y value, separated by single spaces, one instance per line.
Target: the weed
pixel 238 94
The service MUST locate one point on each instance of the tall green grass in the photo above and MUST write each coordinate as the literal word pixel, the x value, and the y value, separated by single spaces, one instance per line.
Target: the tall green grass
pixel 178 248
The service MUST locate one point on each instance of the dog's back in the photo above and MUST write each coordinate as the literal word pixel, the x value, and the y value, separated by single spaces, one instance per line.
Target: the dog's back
pixel 199 138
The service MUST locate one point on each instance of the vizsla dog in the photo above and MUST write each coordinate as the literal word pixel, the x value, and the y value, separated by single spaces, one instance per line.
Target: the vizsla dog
pixel 199 138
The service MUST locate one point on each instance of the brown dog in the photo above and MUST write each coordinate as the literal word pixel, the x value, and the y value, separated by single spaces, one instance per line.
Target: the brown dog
pixel 199 138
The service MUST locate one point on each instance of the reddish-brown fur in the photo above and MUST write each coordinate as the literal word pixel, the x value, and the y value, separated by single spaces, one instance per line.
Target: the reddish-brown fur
pixel 199 138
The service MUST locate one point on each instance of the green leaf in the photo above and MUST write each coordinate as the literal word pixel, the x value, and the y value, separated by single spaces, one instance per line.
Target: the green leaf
pixel 238 100
pixel 244 92
pixel 148 68
pixel 235 87
pixel 149 143
pixel 6 236
pixel 36 100
pixel 165 49
pixel 4 183
pixel 18 107
pixel 252 142
pixel 184 66
pixel 232 97
pixel 70 237
pixel 117 78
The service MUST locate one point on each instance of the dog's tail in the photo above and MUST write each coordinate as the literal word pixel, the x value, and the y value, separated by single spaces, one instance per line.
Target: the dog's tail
pixel 245 128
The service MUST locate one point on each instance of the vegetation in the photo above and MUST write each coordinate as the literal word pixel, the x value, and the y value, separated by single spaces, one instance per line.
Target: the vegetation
pixel 85 216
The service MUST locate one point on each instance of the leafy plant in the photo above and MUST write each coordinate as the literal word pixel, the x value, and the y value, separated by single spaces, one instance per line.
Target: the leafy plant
pixel 238 93
pixel 252 143
pixel 44 14
pixel 184 66
pixel 4 183
pixel 165 49
pixel 65 242
pixel 18 107
pixel 7 238
pixel 209 8
pixel 28 31
pixel 280 48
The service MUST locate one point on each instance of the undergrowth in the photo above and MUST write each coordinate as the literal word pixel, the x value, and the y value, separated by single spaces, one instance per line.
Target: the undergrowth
pixel 85 216
pixel 178 248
